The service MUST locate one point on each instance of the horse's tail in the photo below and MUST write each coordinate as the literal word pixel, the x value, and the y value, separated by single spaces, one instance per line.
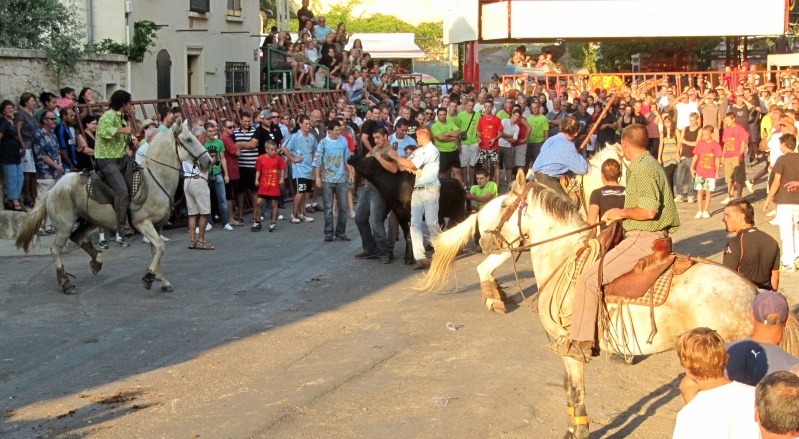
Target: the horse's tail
pixel 32 224
pixel 447 246
pixel 790 336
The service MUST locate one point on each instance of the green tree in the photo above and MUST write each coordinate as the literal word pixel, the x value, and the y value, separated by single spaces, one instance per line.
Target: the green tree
pixel 48 25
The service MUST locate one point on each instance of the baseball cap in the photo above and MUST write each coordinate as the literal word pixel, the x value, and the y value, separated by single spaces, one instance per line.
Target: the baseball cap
pixel 770 308
pixel 266 114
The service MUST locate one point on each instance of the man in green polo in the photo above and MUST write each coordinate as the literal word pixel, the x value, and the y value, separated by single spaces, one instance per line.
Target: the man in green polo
pixel 467 122
pixel 446 136
pixel 649 213
pixel 113 135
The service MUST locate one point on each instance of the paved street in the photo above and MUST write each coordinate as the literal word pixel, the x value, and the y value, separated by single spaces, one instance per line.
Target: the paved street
pixel 283 335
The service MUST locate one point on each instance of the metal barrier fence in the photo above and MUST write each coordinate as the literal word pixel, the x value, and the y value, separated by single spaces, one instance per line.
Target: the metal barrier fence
pixel 224 106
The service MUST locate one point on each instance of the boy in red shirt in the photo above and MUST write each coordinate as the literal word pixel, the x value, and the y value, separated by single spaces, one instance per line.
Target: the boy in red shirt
pixel 268 175
pixel 489 130
pixel 734 138
pixel 705 170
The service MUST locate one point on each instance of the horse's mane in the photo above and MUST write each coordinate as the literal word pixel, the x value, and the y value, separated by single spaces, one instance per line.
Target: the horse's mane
pixel 555 204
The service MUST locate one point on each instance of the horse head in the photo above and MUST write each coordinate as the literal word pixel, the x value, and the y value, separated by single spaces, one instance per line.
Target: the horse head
pixel 189 149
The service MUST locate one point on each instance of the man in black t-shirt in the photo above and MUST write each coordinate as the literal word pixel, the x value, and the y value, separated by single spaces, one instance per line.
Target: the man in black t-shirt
pixel 606 130
pixel 368 128
pixel 609 196
pixel 268 130
pixel 752 253
pixel 304 14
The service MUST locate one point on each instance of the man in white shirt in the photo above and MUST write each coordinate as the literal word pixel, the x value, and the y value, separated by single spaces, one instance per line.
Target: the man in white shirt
pixel 722 409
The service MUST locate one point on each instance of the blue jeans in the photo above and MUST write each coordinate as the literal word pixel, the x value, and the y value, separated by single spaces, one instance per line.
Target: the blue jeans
pixel 12 175
pixel 357 96
pixel 217 183
pixel 340 190
pixel 424 202
pixel 684 173
pixel 370 213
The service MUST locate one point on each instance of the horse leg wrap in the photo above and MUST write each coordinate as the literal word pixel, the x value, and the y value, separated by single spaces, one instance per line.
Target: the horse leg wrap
pixel 96 265
pixel 148 280
pixel 63 281
pixel 492 298
pixel 579 422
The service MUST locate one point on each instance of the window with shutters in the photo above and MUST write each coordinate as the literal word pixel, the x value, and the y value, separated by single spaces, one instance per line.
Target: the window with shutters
pixel 200 6
pixel 237 77
pixel 234 8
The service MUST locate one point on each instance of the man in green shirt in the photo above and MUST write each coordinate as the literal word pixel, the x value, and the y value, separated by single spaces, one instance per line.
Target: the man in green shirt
pixel 467 123
pixel 484 191
pixel 446 136
pixel 217 175
pixel 649 214
pixel 539 129
pixel 113 135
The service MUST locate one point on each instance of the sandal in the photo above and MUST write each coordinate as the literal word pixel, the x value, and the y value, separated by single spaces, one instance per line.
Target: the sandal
pixel 203 245
pixel 192 245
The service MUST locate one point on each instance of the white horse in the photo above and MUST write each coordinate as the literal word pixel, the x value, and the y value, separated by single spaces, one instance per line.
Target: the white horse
pixel 68 202
pixel 487 219
pixel 705 295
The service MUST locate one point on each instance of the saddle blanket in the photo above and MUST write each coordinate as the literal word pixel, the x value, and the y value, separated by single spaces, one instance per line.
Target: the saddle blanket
pixel 100 192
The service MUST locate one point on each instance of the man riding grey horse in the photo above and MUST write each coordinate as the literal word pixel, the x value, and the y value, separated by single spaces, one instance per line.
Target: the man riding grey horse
pixel 113 135
pixel 649 214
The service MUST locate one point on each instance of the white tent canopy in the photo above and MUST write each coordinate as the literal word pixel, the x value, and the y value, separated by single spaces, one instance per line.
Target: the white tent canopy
pixel 388 45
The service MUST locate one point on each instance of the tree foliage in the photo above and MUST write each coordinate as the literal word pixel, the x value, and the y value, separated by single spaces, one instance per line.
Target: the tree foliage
pixel 48 25
pixel 144 34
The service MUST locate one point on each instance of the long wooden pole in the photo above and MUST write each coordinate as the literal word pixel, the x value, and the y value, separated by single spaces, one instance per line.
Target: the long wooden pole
pixel 599 119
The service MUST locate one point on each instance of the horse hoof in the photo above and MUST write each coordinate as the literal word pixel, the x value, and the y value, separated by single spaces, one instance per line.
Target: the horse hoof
pixel 96 266
pixel 69 289
pixel 148 280
pixel 167 289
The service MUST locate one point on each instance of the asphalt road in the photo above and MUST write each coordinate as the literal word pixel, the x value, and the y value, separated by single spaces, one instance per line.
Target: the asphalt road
pixel 283 335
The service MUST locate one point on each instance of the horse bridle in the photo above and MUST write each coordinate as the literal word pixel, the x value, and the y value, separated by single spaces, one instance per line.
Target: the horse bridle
pixel 178 144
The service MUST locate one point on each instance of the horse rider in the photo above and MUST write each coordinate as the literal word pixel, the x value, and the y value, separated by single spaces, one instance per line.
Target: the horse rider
pixel 649 214
pixel 559 157
pixel 113 135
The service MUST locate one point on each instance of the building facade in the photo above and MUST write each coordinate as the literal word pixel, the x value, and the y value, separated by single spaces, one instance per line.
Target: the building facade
pixel 203 47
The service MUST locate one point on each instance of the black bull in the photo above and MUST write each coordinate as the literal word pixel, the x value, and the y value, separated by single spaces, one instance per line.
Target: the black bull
pixel 397 190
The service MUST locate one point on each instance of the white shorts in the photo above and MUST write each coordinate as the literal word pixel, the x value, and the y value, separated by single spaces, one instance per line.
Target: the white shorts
pixel 469 155
pixel 198 196
pixel 28 164
pixel 520 154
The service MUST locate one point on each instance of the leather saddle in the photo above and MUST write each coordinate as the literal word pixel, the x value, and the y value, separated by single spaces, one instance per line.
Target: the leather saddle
pixel 99 190
pixel 647 270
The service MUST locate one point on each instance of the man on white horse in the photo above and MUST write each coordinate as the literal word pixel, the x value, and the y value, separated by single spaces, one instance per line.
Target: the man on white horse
pixel 113 135
pixel 559 157
pixel 649 214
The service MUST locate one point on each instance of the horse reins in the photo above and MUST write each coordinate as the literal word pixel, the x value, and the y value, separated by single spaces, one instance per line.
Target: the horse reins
pixel 178 144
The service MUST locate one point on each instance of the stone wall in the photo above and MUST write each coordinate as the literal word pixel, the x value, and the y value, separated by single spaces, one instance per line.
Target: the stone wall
pixel 24 70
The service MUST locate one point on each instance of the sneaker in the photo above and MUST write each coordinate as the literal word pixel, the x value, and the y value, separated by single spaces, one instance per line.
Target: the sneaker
pixel 750 186
pixel 366 255
pixel 272 227
pixel 306 219
pixel 208 227
pixel 328 238
pixel 698 215
pixel 352 214
pixel 280 217
pixel 678 199
pixel 690 200
pixel 705 214
pixel 227 227
pixel 120 242
pixel 256 227
pixel 103 244
pixel 725 201
pixel 385 260
pixel 294 219
pixel 343 237
pixel 421 263
pixel 318 208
